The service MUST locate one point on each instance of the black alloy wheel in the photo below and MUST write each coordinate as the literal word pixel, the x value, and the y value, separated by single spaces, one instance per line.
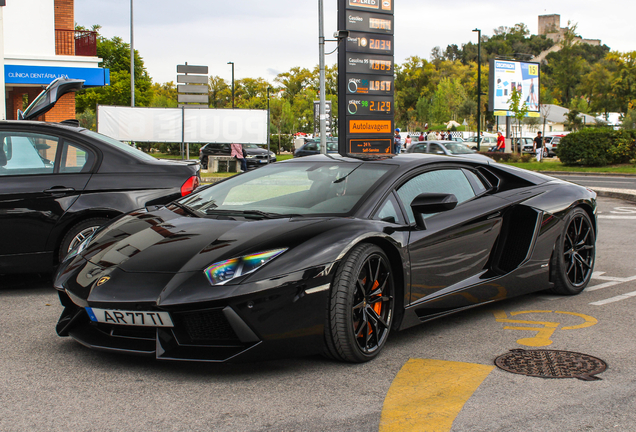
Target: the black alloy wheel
pixel 576 250
pixel 361 306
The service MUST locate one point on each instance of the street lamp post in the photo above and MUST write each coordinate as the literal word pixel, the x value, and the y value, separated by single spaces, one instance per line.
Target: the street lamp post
pixel 232 63
pixel 321 49
pixel 268 124
pixel 478 89
pixel 132 59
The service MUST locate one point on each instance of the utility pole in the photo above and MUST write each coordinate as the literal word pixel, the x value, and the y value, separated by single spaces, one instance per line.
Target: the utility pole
pixel 232 63
pixel 321 46
pixel 478 89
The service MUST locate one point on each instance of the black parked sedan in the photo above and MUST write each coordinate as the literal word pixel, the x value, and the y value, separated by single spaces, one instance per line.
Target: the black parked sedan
pixel 256 156
pixel 312 147
pixel 59 182
pixel 324 254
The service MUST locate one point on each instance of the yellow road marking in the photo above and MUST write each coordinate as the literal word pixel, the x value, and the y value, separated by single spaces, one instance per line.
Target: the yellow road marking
pixel 544 333
pixel 427 395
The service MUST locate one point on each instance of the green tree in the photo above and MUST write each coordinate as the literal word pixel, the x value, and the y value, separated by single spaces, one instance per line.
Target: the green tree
pixel 219 93
pixel 520 110
pixel 116 56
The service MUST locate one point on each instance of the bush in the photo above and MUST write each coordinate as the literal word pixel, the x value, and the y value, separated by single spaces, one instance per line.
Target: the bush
pixel 597 147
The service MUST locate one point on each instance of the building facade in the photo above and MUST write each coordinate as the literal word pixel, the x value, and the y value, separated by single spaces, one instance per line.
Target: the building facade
pixel 40 45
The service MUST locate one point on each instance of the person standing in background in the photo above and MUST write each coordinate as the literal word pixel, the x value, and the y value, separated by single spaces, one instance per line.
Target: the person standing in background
pixel 422 137
pixel 538 146
pixel 239 153
pixel 407 142
pixel 501 142
pixel 397 142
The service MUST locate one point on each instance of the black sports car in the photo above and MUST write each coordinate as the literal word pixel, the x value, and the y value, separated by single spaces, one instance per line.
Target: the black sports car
pixel 324 254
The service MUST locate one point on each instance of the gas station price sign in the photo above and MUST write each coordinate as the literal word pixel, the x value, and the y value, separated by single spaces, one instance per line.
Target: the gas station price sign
pixel 366 105
pixel 369 22
pixel 366 78
pixel 365 43
pixel 369 84
pixel 368 64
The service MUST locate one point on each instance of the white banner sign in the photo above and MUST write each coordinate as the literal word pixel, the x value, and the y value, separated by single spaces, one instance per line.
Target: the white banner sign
pixel 201 125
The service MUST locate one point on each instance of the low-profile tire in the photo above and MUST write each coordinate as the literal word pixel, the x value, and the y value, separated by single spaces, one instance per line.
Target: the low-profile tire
pixel 360 311
pixel 574 254
pixel 78 233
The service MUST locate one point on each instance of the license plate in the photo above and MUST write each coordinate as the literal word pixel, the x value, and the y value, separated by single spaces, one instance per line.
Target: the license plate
pixel 131 318
pixel 262 161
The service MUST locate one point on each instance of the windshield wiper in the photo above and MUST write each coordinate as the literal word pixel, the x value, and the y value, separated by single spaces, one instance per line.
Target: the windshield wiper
pixel 189 210
pixel 249 213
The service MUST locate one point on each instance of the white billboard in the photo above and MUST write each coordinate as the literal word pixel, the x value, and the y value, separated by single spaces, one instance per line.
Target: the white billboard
pixel 176 124
pixel 506 75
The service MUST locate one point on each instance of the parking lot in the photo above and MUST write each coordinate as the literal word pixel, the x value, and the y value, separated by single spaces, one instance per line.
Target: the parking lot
pixel 427 378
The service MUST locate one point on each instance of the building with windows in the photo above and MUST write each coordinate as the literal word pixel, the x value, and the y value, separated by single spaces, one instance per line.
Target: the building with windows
pixel 40 45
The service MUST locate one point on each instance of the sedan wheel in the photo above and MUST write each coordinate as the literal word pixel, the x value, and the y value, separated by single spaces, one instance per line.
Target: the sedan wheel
pixel 78 233
pixel 575 253
pixel 361 306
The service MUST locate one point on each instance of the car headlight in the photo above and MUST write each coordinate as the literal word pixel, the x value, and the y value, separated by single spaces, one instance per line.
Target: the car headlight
pixel 251 156
pixel 224 271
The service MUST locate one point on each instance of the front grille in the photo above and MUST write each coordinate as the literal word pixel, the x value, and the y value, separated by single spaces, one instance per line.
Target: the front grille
pixel 206 326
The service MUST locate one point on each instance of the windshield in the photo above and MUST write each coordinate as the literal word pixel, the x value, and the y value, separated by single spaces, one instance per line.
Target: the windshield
pixel 458 148
pixel 120 145
pixel 302 188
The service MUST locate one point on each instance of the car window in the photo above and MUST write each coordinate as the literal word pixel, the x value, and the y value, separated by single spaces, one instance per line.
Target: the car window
pixel 27 153
pixel 420 148
pixel 75 158
pixel 389 211
pixel 435 149
pixel 298 188
pixel 478 185
pixel 451 181
pixel 311 147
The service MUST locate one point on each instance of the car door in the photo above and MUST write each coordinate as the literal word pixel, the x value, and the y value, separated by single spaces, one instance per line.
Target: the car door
pixel 42 176
pixel 452 251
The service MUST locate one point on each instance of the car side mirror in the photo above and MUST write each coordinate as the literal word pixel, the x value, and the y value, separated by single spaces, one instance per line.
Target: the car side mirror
pixel 429 203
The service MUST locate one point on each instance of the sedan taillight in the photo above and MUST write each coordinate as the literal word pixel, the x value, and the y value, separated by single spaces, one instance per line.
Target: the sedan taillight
pixel 190 184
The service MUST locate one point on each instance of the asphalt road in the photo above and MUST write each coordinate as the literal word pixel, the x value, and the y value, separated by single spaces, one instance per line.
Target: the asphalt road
pixel 54 384
pixel 604 181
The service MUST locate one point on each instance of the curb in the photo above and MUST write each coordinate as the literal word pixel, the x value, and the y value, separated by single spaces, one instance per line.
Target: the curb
pixel 574 173
pixel 624 194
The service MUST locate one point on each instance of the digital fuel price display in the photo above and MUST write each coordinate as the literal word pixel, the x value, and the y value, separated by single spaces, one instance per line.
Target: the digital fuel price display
pixel 374 146
pixel 366 43
pixel 369 22
pixel 369 84
pixel 369 64
pixel 357 105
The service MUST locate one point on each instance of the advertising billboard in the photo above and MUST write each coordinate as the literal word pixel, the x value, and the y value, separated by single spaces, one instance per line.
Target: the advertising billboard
pixel 506 75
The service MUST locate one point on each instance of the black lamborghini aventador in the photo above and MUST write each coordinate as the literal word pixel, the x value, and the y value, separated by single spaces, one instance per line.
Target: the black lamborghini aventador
pixel 324 254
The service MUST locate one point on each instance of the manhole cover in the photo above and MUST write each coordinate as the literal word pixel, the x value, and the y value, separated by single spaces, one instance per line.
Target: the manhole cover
pixel 551 364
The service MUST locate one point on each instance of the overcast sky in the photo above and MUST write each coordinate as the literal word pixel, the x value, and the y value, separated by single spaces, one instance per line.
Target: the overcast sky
pixel 266 37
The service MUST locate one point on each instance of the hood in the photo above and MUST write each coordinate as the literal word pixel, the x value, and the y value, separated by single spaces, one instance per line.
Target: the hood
pixel 49 97
pixel 165 242
pixel 256 151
